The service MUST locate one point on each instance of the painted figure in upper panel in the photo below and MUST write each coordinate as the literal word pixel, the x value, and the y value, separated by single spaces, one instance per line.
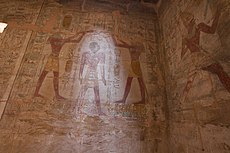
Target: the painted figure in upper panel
pixel 202 59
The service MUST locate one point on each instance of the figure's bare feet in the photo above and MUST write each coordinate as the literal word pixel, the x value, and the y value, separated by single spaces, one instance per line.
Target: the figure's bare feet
pixel 120 102
pixel 59 97
pixel 38 95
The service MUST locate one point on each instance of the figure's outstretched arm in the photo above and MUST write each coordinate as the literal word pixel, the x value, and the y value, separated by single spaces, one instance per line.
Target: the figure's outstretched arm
pixel 121 43
pixel 71 39
pixel 210 29
pixel 82 34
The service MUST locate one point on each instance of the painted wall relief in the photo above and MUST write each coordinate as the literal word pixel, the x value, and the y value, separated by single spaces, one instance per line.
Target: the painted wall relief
pixel 85 82
pixel 198 74
pixel 89 64
pixel 203 59
pixel 196 58
pixel 135 69
pixel 13 44
pixel 52 64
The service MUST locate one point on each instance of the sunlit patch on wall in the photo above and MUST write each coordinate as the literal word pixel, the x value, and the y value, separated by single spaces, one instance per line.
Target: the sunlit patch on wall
pixel 95 62
pixel 2 27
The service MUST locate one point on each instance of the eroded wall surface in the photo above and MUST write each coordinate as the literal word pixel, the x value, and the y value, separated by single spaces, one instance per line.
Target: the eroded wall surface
pixel 196 42
pixel 81 76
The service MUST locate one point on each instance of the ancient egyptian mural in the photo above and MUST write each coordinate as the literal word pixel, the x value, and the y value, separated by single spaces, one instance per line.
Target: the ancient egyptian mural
pixel 81 76
pixel 196 44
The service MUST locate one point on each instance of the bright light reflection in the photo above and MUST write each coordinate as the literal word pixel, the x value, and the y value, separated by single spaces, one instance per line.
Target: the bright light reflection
pixel 95 72
pixel 2 27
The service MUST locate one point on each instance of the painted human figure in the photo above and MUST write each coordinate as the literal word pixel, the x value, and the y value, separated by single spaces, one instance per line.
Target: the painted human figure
pixel 205 62
pixel 135 51
pixel 56 42
pixel 88 75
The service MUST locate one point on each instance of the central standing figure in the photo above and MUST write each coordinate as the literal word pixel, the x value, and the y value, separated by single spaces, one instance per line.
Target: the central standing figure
pixel 89 74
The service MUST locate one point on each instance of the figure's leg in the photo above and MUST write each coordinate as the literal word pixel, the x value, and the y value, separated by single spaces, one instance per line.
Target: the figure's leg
pixel 142 89
pixel 39 84
pixel 83 5
pixel 97 99
pixel 81 98
pixel 127 5
pixel 188 86
pixel 217 69
pixel 56 85
pixel 215 103
pixel 127 90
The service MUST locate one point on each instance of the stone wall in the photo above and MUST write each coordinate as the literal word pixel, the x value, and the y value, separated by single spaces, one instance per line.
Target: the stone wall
pixel 64 70
pixel 196 46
